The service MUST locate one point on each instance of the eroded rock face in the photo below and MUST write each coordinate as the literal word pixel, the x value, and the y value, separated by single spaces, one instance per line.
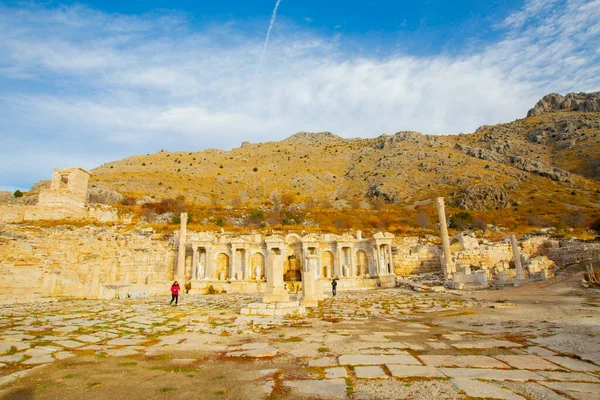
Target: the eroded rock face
pixel 585 102
pixel 482 197
pixel 522 163
pixel 103 196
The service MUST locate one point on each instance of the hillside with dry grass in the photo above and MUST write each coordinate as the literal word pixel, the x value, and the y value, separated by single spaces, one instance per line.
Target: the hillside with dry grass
pixel 539 171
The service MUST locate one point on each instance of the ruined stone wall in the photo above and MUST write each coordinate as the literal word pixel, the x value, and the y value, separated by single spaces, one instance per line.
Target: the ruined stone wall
pixel 485 256
pixel 80 262
pixel 412 255
pixel 571 252
pixel 12 213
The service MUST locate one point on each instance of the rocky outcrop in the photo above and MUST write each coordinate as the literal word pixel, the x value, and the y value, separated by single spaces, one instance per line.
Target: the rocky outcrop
pixel 311 137
pixel 103 196
pixel 584 102
pixel 556 174
pixel 482 197
pixel 383 191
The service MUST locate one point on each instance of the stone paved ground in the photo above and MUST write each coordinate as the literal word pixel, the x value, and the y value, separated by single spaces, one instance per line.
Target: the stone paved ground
pixel 384 344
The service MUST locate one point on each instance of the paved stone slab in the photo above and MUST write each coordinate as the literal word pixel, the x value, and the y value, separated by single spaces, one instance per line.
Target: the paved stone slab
pixel 528 362
pixel 42 351
pixel 20 374
pixel 474 388
pixel 323 362
pixel 71 344
pixel 125 341
pixel 13 358
pixel 406 371
pixel 17 337
pixel 485 344
pixel 534 390
pixel 336 372
pixel 573 365
pixel 5 346
pixel 491 374
pixel 540 351
pixel 365 359
pixel 43 359
pixel 462 361
pixel 250 346
pixel 122 352
pixel 254 353
pixel 62 355
pixel 88 339
pixel 568 376
pixel 327 388
pixel 587 389
pixel 393 345
pixel 369 372
pixel 373 338
pixel 438 345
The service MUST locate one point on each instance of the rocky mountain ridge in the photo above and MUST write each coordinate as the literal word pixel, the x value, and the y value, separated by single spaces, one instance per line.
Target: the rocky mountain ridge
pixel 548 162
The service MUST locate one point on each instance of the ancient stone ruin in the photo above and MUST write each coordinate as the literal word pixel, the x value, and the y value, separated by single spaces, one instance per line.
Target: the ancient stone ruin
pixel 107 261
pixel 64 200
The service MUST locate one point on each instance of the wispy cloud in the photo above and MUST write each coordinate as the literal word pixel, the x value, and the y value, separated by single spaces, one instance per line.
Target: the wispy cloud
pixel 81 87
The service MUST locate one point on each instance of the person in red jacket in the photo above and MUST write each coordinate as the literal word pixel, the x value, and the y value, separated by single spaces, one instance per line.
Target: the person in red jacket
pixel 174 293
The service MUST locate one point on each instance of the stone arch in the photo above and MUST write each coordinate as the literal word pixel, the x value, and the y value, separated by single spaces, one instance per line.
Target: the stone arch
pixel 362 263
pixel 327 260
pixel 257 261
pixel 455 244
pixel 222 266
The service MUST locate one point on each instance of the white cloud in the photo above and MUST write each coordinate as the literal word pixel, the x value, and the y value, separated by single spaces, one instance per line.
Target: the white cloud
pixel 107 86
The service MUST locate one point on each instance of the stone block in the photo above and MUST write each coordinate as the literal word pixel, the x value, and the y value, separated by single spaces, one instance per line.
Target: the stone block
pixel 475 388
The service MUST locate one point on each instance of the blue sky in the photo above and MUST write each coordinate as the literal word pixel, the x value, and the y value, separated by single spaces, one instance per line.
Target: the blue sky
pixel 84 83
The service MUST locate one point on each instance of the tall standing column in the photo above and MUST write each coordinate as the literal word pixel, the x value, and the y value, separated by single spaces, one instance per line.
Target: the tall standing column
pixel 447 266
pixel 180 273
pixel 517 257
pixel 232 268
pixel 247 272
pixel 390 262
pixel 209 267
pixel 194 262
pixel 352 262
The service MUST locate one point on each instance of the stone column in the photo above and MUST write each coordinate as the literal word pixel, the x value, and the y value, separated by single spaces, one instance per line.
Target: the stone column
pixel 517 257
pixel 180 273
pixel 337 266
pixel 194 262
pixel 447 266
pixel 352 262
pixel 209 268
pixel 232 266
pixel 247 272
pixel 309 280
pixel 275 292
pixel 389 248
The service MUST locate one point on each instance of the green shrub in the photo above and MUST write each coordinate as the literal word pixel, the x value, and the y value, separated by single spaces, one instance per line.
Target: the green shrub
pixel 18 193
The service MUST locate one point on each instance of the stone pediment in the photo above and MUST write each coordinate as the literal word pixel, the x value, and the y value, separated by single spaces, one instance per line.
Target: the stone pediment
pixel 311 238
pixel 275 239
pixel 293 238
pixel 346 238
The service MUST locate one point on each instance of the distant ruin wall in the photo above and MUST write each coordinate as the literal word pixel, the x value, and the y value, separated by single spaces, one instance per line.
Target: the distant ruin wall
pixel 412 255
pixel 87 262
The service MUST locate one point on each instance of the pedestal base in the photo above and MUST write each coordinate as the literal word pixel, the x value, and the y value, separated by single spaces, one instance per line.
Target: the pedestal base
pixel 276 295
pixel 291 308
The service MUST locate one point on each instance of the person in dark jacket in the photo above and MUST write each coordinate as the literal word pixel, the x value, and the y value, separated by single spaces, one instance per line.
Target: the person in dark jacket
pixel 333 286
pixel 174 292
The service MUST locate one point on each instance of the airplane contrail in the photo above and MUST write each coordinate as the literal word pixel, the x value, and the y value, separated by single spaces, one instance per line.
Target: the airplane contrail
pixel 268 34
